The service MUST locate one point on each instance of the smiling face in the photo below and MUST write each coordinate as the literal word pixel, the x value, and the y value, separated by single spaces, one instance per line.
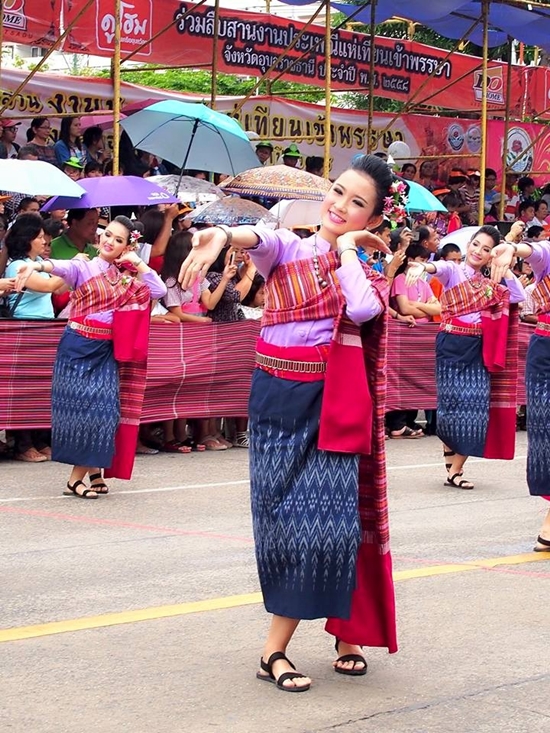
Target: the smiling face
pixel 478 253
pixel 349 206
pixel 114 242
pixel 74 174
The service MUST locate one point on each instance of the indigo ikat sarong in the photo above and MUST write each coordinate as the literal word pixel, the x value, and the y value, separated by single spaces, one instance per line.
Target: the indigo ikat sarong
pixel 85 401
pixel 304 503
pixel 537 380
pixel 463 393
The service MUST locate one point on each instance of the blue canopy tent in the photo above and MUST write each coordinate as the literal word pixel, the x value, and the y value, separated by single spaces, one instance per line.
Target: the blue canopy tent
pixel 452 18
pixel 482 22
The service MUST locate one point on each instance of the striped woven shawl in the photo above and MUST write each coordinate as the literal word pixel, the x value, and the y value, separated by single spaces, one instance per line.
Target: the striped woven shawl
pixel 541 296
pixel 129 299
pixel 499 326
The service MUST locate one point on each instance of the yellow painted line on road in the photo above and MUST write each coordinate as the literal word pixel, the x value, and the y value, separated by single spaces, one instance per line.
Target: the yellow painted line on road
pixel 218 604
pixel 128 617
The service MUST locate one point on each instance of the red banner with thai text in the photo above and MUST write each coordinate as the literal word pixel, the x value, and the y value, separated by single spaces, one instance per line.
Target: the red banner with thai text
pixel 251 43
pixel 31 22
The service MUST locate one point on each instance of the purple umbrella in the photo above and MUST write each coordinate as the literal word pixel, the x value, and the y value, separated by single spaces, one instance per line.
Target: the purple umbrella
pixel 113 191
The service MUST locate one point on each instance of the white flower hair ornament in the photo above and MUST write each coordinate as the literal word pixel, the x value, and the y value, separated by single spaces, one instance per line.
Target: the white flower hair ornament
pixel 395 203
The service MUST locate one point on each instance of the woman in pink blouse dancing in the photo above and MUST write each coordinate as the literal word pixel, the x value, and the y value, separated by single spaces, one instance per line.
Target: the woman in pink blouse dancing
pixel 99 374
pixel 317 461
pixel 476 368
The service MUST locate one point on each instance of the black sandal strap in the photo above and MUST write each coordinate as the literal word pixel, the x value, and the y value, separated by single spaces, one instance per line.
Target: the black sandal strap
pixel 275 657
pixel 73 487
pixel 288 676
pixel 355 658
pixel 94 476
pixel 449 453
pixel 542 541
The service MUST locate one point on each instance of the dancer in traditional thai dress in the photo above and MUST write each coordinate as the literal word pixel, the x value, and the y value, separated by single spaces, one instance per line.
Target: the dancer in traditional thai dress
pixel 537 375
pixel 99 373
pixel 476 357
pixel 317 461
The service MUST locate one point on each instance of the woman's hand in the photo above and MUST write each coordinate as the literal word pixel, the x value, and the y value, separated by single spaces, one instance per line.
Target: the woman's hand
pixel 409 320
pixel 207 245
pixel 516 232
pixel 23 274
pixel 7 284
pixel 502 256
pixel 405 238
pixel 363 239
pixel 414 273
pixel 129 258
pixel 172 211
pixel 229 272
pixel 395 264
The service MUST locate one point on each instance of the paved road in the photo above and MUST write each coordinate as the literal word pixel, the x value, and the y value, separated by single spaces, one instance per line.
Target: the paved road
pixel 140 613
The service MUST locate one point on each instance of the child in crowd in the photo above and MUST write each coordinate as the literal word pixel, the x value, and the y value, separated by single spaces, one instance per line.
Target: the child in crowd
pixel 190 306
pixel 421 303
pixel 450 253
pixel 253 304
pixel 377 260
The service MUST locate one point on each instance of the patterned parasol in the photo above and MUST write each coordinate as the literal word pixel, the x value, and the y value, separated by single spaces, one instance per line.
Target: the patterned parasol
pixel 278 182
pixel 231 211
pixel 188 184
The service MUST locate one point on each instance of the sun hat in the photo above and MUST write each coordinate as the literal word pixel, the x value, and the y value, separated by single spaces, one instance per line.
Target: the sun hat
pixel 74 163
pixel 292 151
pixel 9 123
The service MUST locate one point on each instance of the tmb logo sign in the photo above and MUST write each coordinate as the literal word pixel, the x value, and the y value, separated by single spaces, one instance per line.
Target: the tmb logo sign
pixel 495 85
pixel 14 14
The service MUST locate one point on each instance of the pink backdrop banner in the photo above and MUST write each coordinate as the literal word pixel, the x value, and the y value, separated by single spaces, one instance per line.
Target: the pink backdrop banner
pixel 198 371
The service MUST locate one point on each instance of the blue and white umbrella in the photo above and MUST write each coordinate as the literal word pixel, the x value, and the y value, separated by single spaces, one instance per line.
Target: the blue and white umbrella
pixel 191 136
pixel 36 178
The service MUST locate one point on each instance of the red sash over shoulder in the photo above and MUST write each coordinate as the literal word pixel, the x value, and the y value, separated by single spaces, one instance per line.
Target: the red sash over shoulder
pixel 499 328
pixel 352 421
pixel 130 300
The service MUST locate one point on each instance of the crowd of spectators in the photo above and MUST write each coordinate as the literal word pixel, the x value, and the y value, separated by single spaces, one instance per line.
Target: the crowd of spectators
pixel 233 290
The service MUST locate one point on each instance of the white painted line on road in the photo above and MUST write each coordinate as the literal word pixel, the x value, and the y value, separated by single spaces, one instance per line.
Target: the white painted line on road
pixel 185 487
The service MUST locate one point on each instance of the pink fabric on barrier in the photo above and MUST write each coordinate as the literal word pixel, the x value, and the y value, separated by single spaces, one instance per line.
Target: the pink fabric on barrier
pixel 202 371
